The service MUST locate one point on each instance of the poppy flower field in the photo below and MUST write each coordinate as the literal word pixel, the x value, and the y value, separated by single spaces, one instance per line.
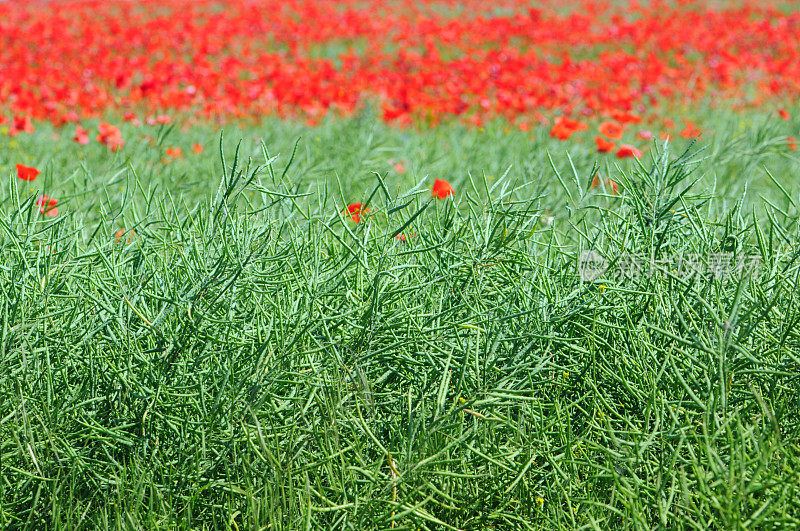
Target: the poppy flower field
pixel 390 264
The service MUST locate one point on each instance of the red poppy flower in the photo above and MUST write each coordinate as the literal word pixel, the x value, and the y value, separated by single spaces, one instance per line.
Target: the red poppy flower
pixel 625 117
pixel 355 212
pixel 441 189
pixel 564 127
pixel 121 232
pixel 612 130
pixel 611 185
pixel 47 205
pixel 81 135
pixel 791 143
pixel 645 135
pixel 399 168
pixel 197 148
pixel 603 145
pixel 784 114
pixel 110 135
pixel 131 117
pixel 174 152
pixel 690 131
pixel 626 151
pixel 163 119
pixel 22 124
pixel 27 173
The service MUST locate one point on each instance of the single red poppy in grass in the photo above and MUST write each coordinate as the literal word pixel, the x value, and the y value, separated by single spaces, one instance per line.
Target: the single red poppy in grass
pixel 564 127
pixel 399 168
pixel 355 212
pixel 612 130
pixel 121 232
pixel 174 152
pixel 626 151
pixel 197 148
pixel 131 117
pixel 784 114
pixel 47 205
pixel 402 237
pixel 690 131
pixel 27 173
pixel 612 185
pixel 603 145
pixel 645 135
pixel 441 189
pixel 22 124
pixel 81 135
pixel 625 117
pixel 110 135
pixel 791 143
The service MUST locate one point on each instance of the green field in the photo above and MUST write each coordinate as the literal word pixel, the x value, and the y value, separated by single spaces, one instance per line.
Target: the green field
pixel 208 343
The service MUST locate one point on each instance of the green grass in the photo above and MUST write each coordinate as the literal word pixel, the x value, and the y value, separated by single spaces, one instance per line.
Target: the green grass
pixel 252 359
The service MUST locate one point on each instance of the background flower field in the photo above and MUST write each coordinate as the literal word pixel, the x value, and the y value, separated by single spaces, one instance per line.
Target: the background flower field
pixel 318 265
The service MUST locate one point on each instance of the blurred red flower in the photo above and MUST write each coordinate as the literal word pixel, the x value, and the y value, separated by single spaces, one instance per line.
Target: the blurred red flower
pixel 564 127
pixel 131 117
pixel 626 151
pixel 603 145
pixel 81 135
pixel 625 117
pixel 355 212
pixel 402 237
pixel 27 173
pixel 690 131
pixel 174 152
pixel 441 189
pixel 612 130
pixel 22 124
pixel 47 205
pixel 110 135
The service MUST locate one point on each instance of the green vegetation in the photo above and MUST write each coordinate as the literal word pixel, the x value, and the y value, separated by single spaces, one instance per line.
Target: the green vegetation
pixel 244 356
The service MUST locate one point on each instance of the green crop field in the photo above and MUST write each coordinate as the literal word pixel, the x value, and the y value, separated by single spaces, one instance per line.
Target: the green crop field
pixel 399 265
pixel 206 341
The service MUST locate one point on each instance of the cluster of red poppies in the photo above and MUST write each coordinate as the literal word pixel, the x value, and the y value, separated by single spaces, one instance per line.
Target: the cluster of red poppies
pixel 418 61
